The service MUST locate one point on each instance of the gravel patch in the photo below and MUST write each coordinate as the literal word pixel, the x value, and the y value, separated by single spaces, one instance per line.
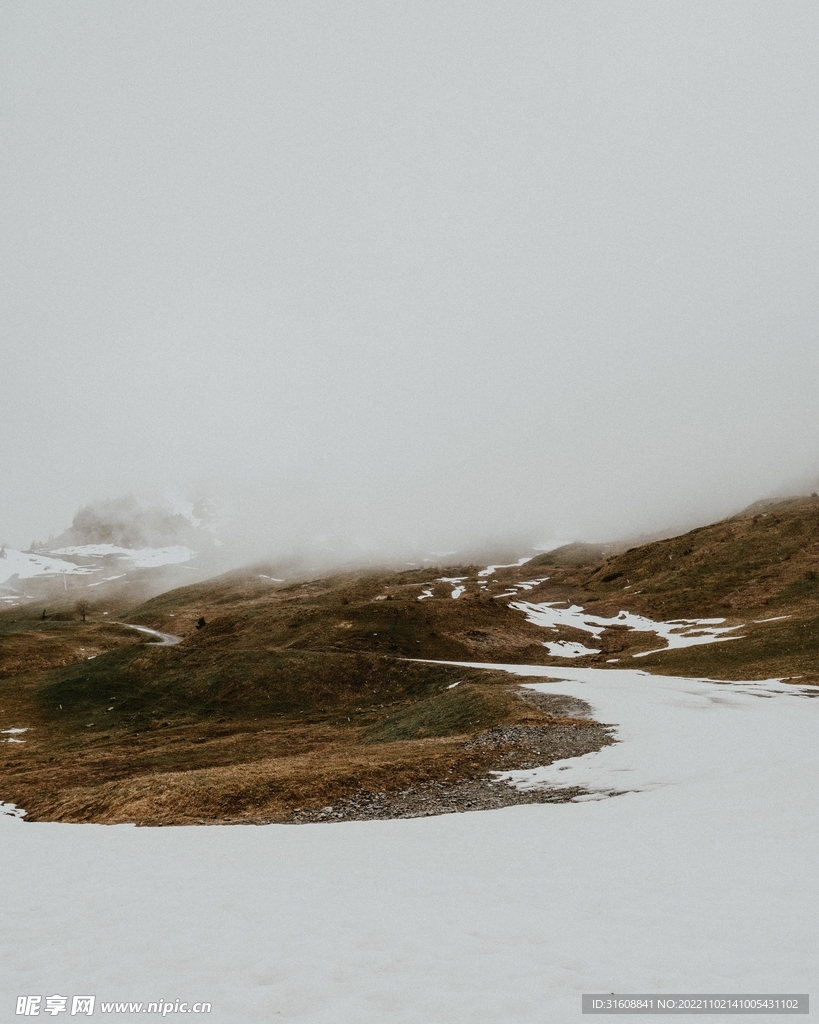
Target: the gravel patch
pixel 431 798
pixel 508 747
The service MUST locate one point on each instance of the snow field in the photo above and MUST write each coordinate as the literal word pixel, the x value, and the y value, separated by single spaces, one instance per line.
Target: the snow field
pixel 703 881
pixel 25 566
pixel 140 558
pixel 670 729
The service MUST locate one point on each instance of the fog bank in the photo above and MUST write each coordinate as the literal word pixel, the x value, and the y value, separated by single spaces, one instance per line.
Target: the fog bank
pixel 410 276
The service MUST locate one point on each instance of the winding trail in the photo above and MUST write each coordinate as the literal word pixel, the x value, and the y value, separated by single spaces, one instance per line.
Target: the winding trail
pixel 165 639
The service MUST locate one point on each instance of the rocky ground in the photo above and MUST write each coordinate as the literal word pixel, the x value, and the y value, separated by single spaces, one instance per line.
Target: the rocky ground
pixel 515 747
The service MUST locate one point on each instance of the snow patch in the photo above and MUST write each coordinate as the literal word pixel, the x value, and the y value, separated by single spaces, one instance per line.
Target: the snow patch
pixel 677 633
pixel 490 569
pixel 108 579
pixel 457 590
pixel 165 639
pixel 567 649
pixel 531 584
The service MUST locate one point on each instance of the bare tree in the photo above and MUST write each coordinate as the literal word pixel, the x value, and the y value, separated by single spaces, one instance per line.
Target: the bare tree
pixel 82 607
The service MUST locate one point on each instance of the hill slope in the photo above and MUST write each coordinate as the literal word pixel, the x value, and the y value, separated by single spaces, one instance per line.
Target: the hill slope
pixel 296 701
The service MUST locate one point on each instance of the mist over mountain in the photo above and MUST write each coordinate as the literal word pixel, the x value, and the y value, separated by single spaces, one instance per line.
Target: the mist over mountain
pixel 122 549
pixel 126 522
pixel 409 278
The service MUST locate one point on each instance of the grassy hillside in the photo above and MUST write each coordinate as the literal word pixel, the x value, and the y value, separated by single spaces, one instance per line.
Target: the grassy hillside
pixel 765 558
pixel 184 734
pixel 292 697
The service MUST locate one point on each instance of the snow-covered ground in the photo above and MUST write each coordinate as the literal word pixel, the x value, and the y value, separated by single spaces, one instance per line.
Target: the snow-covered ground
pixel 26 565
pixel 666 735
pixel 140 558
pixel 81 560
pixel 700 878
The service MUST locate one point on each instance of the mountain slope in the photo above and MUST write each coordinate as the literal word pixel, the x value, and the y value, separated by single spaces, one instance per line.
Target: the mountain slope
pixel 765 557
pixel 296 701
pixel 118 551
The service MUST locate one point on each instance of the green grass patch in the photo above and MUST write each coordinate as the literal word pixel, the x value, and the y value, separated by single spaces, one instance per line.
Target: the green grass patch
pixel 461 710
pixel 142 683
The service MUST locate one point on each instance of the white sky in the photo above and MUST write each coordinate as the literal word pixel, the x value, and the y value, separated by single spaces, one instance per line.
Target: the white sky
pixel 418 271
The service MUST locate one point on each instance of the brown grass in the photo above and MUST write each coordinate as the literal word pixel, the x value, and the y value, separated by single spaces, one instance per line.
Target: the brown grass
pixel 296 695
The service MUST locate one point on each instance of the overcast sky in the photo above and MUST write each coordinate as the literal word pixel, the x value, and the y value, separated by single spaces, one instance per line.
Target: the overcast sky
pixel 429 272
